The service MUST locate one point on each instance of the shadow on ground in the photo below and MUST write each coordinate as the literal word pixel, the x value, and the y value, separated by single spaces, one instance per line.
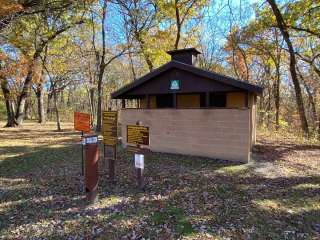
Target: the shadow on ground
pixel 42 197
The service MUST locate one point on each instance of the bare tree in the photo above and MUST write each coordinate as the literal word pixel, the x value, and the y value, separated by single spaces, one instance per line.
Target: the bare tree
pixel 139 17
pixel 284 31
pixel 102 63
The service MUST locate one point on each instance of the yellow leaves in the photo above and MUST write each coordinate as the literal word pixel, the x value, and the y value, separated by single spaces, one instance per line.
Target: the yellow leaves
pixel 188 8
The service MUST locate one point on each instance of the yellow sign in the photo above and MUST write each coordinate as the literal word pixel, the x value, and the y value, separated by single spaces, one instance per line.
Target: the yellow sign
pixel 109 128
pixel 138 134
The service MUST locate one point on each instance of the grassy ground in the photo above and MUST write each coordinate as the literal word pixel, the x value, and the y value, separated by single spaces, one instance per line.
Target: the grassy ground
pixel 276 196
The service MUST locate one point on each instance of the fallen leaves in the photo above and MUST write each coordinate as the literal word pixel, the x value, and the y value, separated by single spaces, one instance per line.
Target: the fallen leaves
pixel 42 195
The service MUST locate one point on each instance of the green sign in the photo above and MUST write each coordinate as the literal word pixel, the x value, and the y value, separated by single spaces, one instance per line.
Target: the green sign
pixel 175 85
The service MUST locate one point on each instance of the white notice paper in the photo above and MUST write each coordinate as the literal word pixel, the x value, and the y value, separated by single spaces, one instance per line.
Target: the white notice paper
pixel 91 140
pixel 139 161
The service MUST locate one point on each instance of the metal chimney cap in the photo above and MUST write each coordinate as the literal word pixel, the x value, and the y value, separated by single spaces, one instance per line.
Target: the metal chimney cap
pixel 183 50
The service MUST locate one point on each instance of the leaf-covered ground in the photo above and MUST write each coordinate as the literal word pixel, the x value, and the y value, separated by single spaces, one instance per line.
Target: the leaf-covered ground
pixel 276 196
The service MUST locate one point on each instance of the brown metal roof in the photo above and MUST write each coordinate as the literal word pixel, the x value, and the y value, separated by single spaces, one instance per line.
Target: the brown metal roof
pixel 191 69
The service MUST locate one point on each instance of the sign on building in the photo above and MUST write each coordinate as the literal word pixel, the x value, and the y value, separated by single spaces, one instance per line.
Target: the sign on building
pixel 175 84
pixel 82 122
pixel 138 135
pixel 109 128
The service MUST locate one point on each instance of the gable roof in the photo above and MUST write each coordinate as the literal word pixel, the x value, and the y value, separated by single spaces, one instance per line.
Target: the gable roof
pixel 192 69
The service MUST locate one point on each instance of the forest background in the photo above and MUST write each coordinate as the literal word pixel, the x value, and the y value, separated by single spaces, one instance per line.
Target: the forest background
pixel 61 56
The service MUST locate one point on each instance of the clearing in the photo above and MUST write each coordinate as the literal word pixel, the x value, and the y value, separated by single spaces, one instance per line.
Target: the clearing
pixel 276 196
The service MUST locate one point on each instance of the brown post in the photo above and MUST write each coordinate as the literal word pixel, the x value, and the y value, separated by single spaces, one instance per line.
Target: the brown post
pixel 111 170
pixel 174 95
pixel 246 103
pixel 140 178
pixel 91 166
pixel 82 161
pixel 111 162
pixel 148 100
pixel 207 99
pixel 123 103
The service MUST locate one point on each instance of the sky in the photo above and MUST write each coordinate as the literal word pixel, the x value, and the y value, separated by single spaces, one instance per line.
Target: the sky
pixel 217 21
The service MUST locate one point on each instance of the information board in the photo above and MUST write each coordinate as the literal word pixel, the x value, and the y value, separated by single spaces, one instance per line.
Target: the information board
pixel 82 122
pixel 109 128
pixel 137 134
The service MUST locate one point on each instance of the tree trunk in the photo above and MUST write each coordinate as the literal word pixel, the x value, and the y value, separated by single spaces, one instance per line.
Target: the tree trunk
pixel 102 66
pixel 99 106
pixel 283 28
pixel 49 108
pixel 319 127
pixel 28 81
pixel 243 54
pixel 62 98
pixel 20 114
pixel 261 113
pixel 40 101
pixel 143 50
pixel 178 23
pixel 27 109
pixel 69 98
pixel 145 54
pixel 134 75
pixel 91 99
pixel 277 96
pixel 11 122
pixel 269 116
pixel 55 98
pixel 312 101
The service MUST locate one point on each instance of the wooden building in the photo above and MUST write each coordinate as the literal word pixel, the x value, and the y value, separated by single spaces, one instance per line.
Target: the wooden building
pixel 193 111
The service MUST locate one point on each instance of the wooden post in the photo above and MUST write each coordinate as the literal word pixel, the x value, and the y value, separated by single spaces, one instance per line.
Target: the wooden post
pixel 174 95
pixel 207 99
pixel 123 103
pixel 111 166
pixel 111 162
pixel 91 166
pixel 82 160
pixel 140 178
pixel 148 100
pixel 139 170
pixel 246 103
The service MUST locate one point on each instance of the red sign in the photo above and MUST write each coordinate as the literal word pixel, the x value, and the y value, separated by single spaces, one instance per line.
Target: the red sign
pixel 82 122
